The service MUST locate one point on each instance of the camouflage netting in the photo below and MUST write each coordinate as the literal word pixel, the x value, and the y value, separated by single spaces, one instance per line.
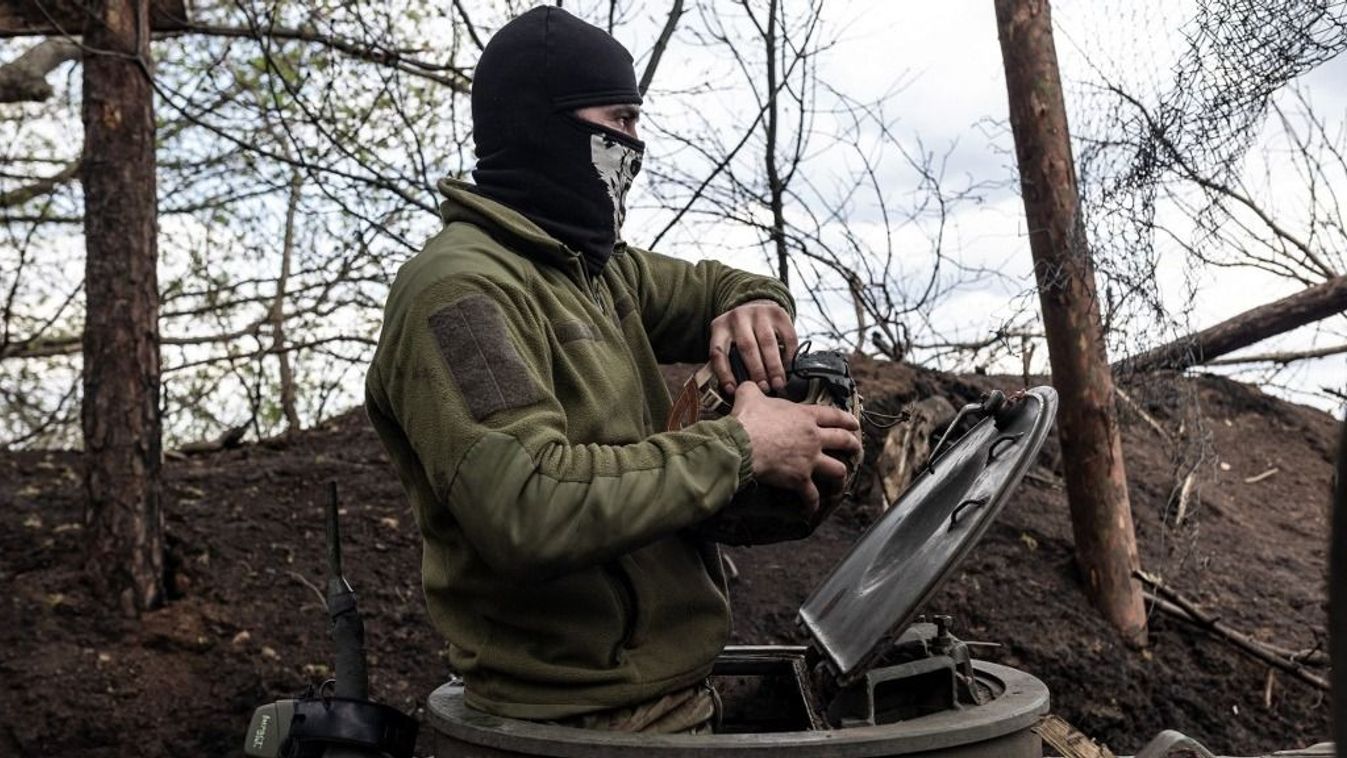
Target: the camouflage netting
pixel 1185 116
pixel 1164 132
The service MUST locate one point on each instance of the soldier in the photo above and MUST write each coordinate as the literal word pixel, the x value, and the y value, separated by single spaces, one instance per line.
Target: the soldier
pixel 516 388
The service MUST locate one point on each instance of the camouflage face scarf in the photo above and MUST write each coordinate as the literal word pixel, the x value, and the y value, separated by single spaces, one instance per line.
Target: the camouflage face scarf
pixel 568 176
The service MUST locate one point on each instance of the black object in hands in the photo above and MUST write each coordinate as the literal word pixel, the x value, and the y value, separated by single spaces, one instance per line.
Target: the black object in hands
pixel 831 368
pixel 759 514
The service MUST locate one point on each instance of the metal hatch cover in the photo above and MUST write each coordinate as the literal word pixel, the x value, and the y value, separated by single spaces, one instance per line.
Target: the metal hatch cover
pixel 895 567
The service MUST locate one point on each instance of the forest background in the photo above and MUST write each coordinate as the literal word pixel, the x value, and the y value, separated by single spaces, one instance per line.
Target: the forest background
pixel 858 150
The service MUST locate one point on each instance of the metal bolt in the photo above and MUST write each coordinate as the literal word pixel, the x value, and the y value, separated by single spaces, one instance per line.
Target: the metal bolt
pixel 942 625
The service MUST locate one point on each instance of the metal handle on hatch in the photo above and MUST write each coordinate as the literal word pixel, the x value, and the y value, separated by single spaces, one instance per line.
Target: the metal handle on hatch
pixel 970 503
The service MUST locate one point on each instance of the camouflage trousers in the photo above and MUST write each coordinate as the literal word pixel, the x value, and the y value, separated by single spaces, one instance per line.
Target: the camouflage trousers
pixel 694 710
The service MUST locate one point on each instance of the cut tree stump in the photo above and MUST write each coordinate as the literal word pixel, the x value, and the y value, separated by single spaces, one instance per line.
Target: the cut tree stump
pixel 908 445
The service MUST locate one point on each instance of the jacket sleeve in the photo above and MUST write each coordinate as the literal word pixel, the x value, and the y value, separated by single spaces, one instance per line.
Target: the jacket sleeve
pixel 467 377
pixel 678 300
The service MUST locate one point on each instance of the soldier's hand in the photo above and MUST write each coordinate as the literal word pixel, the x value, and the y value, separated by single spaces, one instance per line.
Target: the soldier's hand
pixel 790 442
pixel 764 334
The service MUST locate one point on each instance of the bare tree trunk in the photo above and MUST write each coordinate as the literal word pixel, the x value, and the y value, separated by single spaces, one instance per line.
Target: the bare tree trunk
pixel 277 314
pixel 775 187
pixel 1304 307
pixel 121 334
pixel 1337 593
pixel 1096 483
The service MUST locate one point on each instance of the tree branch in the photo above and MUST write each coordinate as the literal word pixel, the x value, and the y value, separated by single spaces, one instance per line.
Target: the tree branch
pixel 39 187
pixel 24 79
pixel 661 44
pixel 450 76
pixel 468 25
pixel 1185 609
pixel 1282 358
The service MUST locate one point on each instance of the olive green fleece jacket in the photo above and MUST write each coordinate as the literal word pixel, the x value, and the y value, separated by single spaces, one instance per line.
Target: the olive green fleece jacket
pixel 522 405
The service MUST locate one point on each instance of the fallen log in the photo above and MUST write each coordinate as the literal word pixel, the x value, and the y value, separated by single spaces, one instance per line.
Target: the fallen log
pixel 1252 326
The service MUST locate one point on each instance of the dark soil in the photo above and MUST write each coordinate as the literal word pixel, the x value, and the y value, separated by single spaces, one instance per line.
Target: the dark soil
pixel 246 625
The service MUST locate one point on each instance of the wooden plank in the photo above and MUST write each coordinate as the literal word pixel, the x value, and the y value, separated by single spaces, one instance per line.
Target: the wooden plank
pixel 1068 740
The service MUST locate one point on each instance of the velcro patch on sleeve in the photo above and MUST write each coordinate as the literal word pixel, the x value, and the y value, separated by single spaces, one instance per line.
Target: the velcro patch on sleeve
pixel 475 344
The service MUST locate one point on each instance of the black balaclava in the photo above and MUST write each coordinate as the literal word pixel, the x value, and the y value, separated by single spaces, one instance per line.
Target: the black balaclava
pixel 568 176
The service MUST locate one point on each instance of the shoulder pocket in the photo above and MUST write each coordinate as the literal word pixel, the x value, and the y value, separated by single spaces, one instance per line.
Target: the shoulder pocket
pixel 475 344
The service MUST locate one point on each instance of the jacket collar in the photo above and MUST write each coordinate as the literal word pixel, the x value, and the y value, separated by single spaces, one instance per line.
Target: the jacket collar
pixel 512 228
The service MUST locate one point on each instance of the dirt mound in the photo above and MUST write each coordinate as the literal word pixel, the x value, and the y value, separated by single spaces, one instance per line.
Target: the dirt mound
pixel 246 624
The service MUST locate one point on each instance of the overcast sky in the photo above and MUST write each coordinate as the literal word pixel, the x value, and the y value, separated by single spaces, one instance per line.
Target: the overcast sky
pixel 946 61
pixel 939 64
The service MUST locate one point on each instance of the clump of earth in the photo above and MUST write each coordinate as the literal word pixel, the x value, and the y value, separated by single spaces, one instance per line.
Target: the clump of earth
pixel 246 625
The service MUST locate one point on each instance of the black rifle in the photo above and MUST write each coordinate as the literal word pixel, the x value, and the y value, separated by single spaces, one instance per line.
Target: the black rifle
pixel 340 721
